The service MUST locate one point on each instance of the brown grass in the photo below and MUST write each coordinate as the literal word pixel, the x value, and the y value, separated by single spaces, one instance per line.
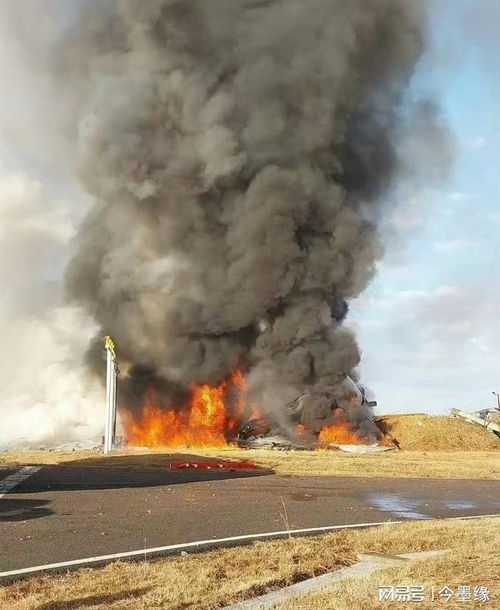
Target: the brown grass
pixel 473 563
pixel 420 464
pixel 437 433
pixel 209 580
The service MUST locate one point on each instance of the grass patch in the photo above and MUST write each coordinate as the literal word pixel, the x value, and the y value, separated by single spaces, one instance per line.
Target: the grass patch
pixel 474 562
pixel 209 580
pixel 419 464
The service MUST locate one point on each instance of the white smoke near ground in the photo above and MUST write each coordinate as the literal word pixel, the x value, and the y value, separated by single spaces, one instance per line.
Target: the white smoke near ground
pixel 46 392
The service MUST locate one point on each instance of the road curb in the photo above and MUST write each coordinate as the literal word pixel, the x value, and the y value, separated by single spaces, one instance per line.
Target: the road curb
pixel 361 569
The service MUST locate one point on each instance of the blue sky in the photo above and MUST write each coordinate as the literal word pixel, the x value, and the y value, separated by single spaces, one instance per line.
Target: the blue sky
pixel 429 324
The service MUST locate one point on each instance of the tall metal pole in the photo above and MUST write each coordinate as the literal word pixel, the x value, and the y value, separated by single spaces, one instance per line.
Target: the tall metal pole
pixel 113 422
pixel 110 421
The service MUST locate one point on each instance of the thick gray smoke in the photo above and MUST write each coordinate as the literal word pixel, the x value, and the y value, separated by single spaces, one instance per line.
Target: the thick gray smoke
pixel 238 152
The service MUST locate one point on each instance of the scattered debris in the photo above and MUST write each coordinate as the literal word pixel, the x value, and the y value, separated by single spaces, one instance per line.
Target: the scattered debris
pixel 488 418
pixel 258 433
pixel 82 445
pixel 319 422
pixel 275 442
pixel 254 428
pixel 226 465
pixel 375 448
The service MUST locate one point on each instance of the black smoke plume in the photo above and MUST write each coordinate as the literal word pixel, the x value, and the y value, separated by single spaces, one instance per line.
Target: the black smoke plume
pixel 238 153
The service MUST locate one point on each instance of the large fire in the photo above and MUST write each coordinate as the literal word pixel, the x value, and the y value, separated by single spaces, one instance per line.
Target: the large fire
pixel 340 434
pixel 211 419
pixel 206 422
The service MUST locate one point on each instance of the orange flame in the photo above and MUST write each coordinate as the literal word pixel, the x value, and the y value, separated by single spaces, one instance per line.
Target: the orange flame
pixel 339 433
pixel 206 422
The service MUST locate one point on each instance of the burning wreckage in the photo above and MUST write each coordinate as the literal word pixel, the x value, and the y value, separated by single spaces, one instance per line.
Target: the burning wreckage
pixel 323 422
pixel 221 416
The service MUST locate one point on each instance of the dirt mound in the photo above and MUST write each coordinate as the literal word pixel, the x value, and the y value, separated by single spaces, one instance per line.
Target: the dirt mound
pixel 430 432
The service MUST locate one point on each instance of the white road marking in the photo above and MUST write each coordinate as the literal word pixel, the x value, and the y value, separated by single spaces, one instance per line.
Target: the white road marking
pixel 18 476
pixel 172 548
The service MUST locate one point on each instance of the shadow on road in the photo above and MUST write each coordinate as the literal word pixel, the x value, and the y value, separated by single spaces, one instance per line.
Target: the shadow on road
pixel 129 471
pixel 21 510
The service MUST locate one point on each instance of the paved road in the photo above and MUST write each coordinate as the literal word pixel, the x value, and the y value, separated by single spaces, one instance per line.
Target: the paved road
pixel 62 513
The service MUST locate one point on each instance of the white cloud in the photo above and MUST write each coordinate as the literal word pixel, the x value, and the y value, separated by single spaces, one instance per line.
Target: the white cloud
pixel 433 349
pixel 462 197
pixel 411 295
pixel 454 246
pixel 475 143
pixel 448 291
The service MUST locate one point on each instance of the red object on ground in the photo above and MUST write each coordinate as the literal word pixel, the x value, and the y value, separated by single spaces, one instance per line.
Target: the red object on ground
pixel 244 465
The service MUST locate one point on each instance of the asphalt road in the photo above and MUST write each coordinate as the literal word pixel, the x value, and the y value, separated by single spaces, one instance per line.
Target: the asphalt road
pixel 63 513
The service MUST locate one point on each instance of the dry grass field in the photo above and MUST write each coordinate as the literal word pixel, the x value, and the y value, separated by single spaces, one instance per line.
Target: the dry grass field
pixel 432 447
pixel 210 580
pixel 421 432
pixel 420 464
pixel 474 563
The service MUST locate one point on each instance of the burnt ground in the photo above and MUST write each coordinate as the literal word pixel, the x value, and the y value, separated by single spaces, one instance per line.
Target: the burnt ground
pixel 63 513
